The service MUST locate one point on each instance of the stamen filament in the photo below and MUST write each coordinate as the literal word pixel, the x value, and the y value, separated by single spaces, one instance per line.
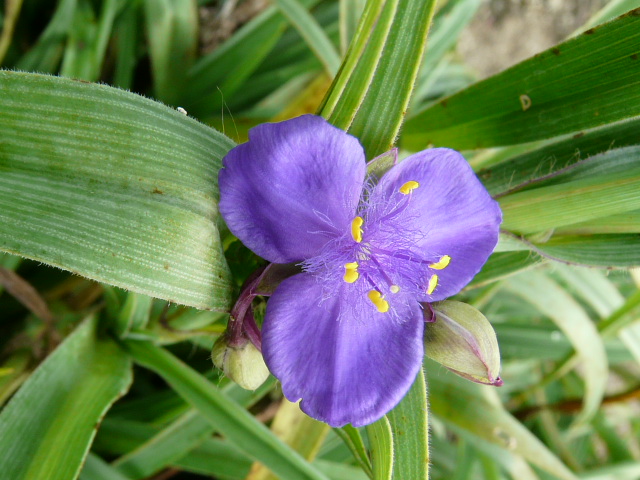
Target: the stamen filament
pixel 442 263
pixel 380 303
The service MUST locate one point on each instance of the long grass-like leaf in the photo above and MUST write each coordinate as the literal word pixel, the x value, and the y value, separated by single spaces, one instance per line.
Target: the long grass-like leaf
pixel 112 186
pixel 47 427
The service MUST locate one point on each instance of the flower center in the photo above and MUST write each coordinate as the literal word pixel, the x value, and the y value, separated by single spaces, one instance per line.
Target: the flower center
pixel 388 267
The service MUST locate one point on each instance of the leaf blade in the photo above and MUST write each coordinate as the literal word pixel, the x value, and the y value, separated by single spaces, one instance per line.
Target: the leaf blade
pixel 112 186
pixel 48 436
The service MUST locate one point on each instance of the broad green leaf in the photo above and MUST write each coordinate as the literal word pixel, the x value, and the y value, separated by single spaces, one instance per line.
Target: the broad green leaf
pixel 111 186
pixel 172 32
pixel 584 82
pixel 95 468
pixel 371 93
pixel 409 422
pixel 503 264
pixel 589 197
pixel 545 161
pixel 606 251
pixel 301 432
pixel 551 300
pixel 231 420
pixel 312 33
pixel 477 410
pixel 47 427
pixel 628 222
pixel 381 446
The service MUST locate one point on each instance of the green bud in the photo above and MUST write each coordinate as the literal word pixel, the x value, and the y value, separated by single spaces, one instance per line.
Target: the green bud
pixel 242 364
pixel 463 340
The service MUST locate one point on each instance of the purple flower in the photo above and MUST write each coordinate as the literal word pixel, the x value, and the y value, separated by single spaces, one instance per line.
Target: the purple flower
pixel 346 335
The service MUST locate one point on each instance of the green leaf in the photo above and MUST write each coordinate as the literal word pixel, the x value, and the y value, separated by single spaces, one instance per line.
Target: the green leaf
pixel 301 432
pixel 11 14
pixel 611 10
pixel 477 410
pixel 312 33
pixel 584 82
pixel 545 161
pixel 231 420
pixel 223 72
pixel 381 445
pixel 95 468
pixel 504 264
pixel 551 300
pixel 45 56
pixel 111 186
pixel 88 39
pixel 47 427
pixel 448 24
pixel 353 440
pixel 603 185
pixel 370 95
pixel 165 448
pixel 172 32
pixel 605 251
pixel 410 428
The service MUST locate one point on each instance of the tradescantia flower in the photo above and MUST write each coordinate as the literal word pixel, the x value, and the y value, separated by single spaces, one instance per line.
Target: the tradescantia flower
pixel 346 334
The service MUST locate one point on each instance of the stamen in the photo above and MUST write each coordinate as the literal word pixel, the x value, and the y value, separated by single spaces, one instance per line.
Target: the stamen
pixel 433 283
pixel 356 231
pixel 409 187
pixel 351 272
pixel 442 263
pixel 394 288
pixel 376 298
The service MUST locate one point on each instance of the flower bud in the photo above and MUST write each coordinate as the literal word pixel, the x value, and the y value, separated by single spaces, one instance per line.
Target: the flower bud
pixel 463 340
pixel 243 364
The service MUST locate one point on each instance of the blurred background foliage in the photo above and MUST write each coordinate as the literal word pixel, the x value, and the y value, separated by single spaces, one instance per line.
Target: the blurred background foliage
pixel 115 383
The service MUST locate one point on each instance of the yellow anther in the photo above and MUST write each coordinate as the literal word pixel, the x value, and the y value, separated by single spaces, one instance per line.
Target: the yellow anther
pixel 351 272
pixel 442 263
pixel 408 187
pixel 356 231
pixel 394 288
pixel 376 298
pixel 433 283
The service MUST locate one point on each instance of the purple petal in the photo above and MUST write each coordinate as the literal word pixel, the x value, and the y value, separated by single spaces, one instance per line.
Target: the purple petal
pixel 293 186
pixel 450 213
pixel 347 370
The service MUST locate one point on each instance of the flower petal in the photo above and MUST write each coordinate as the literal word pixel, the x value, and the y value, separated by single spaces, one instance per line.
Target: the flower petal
pixel 347 370
pixel 293 186
pixel 449 213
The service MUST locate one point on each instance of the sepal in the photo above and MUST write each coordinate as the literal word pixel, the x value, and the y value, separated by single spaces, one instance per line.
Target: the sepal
pixel 463 340
pixel 243 364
